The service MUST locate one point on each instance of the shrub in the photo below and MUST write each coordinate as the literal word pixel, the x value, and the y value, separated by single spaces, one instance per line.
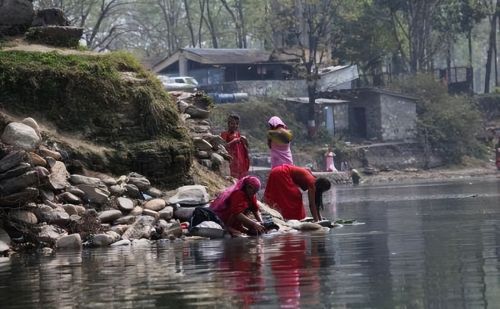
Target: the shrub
pixel 448 124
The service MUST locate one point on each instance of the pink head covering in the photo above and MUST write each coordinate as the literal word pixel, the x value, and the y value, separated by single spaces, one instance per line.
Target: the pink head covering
pixel 220 200
pixel 275 121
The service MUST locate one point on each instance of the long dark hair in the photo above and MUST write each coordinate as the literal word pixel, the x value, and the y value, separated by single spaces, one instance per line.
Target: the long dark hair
pixel 322 185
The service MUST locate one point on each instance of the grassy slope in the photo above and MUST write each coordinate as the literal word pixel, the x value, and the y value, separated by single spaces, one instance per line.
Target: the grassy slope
pixel 106 99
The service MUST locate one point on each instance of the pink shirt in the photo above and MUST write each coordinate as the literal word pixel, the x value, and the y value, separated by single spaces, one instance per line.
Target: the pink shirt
pixel 280 154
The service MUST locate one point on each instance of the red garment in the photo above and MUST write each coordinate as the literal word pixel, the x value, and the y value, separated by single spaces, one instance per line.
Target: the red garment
pixel 237 203
pixel 238 151
pixel 286 268
pixel 282 190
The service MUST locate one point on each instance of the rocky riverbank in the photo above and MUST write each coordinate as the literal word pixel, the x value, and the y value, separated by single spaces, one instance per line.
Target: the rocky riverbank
pixel 483 170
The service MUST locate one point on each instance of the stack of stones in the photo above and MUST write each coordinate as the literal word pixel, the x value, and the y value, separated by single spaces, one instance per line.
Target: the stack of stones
pixel 210 149
pixel 43 205
pixel 48 26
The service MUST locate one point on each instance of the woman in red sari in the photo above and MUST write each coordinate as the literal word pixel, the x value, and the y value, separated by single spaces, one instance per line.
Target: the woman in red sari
pixel 235 204
pixel 237 147
pixel 283 191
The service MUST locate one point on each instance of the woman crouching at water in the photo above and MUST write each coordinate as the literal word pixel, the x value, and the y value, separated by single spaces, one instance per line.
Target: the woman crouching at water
pixel 283 191
pixel 234 205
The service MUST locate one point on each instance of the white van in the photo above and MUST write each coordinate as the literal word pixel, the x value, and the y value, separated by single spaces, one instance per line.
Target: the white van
pixel 181 83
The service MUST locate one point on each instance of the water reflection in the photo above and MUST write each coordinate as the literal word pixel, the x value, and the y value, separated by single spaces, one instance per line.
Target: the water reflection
pixel 427 246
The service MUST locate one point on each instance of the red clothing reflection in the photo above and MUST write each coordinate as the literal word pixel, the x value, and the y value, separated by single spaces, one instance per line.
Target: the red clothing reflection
pixel 296 273
pixel 246 278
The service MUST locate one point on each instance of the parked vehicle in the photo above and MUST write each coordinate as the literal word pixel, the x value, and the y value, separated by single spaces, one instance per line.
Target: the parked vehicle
pixel 180 83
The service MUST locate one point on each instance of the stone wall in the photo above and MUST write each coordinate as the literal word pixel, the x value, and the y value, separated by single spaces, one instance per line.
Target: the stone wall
pixel 393 156
pixel 341 118
pixel 398 118
pixel 261 88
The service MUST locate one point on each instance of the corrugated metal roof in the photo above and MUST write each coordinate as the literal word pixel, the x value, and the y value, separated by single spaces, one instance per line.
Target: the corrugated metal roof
pixel 226 55
pixel 305 100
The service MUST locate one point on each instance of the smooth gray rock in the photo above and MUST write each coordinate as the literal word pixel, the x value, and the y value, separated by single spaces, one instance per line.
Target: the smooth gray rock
pixel 94 194
pixel 110 215
pixel 125 204
pixel 12 159
pixel 117 190
pixel 24 216
pixel 70 209
pixel 76 179
pixel 20 135
pixel 156 204
pixel 139 181
pixel 140 229
pixel 20 198
pixel 102 240
pixel 125 220
pixel 132 191
pixel 58 178
pixel 137 211
pixel 68 197
pixel 152 213
pixel 167 213
pixel 16 184
pixel 190 195
pixel 72 241
pixel 154 192
pixel 16 171
pixel 75 191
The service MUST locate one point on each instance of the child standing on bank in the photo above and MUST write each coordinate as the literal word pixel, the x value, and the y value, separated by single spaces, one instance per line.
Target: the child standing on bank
pixel 237 147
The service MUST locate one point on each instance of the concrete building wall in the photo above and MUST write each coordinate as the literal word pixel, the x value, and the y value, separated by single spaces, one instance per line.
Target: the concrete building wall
pixel 341 118
pixel 369 105
pixel 398 118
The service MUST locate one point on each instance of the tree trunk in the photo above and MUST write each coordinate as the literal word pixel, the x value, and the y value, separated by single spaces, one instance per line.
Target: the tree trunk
pixel 211 28
pixel 200 24
pixel 237 25
pixel 243 33
pixel 189 23
pixel 311 120
pixel 489 57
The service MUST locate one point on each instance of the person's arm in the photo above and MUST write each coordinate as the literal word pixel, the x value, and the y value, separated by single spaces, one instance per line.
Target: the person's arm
pixel 233 141
pixel 244 140
pixel 234 232
pixel 250 223
pixel 311 194
pixel 256 214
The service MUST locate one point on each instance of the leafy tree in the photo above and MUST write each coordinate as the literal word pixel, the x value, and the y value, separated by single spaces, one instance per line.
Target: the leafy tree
pixel 305 29
pixel 447 124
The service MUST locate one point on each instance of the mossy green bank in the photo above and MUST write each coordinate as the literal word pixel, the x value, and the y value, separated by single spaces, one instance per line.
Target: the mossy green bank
pixel 107 99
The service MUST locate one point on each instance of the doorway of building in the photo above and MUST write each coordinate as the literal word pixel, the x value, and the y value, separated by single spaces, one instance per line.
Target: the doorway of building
pixel 358 122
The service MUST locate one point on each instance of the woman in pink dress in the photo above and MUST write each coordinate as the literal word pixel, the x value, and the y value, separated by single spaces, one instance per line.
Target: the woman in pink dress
pixel 278 140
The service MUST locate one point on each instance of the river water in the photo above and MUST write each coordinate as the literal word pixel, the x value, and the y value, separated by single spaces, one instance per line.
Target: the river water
pixel 432 245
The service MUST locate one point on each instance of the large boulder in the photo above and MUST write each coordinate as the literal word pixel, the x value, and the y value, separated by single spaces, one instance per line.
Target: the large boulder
pixel 50 17
pixel 55 35
pixel 20 135
pixel 15 16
